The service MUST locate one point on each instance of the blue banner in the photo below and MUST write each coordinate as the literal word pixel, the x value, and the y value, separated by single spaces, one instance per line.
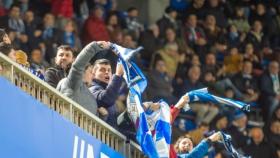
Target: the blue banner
pixel 29 129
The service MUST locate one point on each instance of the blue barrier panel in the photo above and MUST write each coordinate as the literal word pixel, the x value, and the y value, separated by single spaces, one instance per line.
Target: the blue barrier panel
pixel 29 129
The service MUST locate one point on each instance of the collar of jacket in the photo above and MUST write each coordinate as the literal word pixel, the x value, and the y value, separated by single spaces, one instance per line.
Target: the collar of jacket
pixel 98 82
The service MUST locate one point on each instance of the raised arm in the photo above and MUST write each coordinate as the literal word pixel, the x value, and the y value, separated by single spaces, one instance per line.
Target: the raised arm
pixel 75 77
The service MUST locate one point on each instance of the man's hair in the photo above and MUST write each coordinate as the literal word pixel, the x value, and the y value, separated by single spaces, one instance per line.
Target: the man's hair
pixel 102 62
pixel 67 48
pixel 5 48
pixel 131 9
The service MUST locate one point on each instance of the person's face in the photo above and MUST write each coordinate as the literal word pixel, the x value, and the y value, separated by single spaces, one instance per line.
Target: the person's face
pixel 36 56
pixel 208 77
pixel 113 20
pixel 257 26
pixel 173 14
pixel 49 20
pixel 98 12
pixel 275 128
pixel 12 55
pixel 274 68
pixel 210 59
pixel 242 122
pixel 249 49
pixel 15 12
pixel 199 3
pixel 185 145
pixel 133 13
pixel 195 60
pixel 128 41
pixel 240 12
pixel 160 66
pixel 102 72
pixel 247 68
pixel 69 27
pixel 194 74
pixel 229 94
pixel 29 16
pixel 257 135
pixel 64 58
pixel 223 123
pixel 214 3
pixel 260 9
pixel 211 20
pixel 88 75
pixel 6 39
pixel 170 35
pixel 192 20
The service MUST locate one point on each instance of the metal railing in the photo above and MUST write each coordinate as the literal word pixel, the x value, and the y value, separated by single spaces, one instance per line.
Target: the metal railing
pixel 68 108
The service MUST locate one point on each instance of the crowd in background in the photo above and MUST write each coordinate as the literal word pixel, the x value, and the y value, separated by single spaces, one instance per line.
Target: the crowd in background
pixel 231 47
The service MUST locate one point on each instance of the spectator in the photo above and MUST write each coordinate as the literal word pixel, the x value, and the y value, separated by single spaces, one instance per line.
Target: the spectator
pixel 219 123
pixel 13 20
pixel 238 130
pixel 37 61
pixel 184 146
pixel 274 29
pixel 170 55
pixel 246 83
pixel 113 24
pixel 276 114
pixel 215 8
pixel 128 41
pixel 194 35
pixel 105 89
pixel 239 20
pixel 274 135
pixel 168 21
pixel 210 65
pixel 270 89
pixel 256 36
pixel 8 50
pixel 132 23
pixel 75 85
pixel 252 56
pixel 149 39
pixel 258 147
pixel 4 37
pixel 260 13
pixel 95 20
pixel 70 35
pixel 233 61
pixel 197 8
pixel 48 37
pixel 234 37
pixel 160 86
pixel 63 61
pixel 31 26
pixel 212 31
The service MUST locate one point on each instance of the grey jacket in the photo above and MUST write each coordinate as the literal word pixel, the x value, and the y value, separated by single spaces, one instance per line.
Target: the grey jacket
pixel 73 86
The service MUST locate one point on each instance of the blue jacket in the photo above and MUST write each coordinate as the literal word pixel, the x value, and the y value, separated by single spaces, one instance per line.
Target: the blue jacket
pixel 198 152
pixel 106 96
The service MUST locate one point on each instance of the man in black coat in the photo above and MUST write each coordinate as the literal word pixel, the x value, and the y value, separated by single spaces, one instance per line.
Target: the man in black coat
pixel 63 60
pixel 258 147
pixel 270 89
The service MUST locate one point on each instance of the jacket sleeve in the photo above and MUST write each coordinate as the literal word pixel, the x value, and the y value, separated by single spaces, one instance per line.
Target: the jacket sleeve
pixel 51 78
pixel 108 95
pixel 266 86
pixel 198 152
pixel 174 113
pixel 75 77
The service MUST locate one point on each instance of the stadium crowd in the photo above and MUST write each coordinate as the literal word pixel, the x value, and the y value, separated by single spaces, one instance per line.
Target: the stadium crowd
pixel 231 47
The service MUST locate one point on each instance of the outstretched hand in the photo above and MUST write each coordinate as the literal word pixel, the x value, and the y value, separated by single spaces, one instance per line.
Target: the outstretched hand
pixel 104 44
pixel 182 102
pixel 215 137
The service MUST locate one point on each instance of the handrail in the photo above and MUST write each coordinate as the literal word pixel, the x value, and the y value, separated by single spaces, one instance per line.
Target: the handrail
pixel 67 108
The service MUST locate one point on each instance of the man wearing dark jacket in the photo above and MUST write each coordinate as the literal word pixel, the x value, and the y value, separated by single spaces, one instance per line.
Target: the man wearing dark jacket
pixel 105 89
pixel 63 60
